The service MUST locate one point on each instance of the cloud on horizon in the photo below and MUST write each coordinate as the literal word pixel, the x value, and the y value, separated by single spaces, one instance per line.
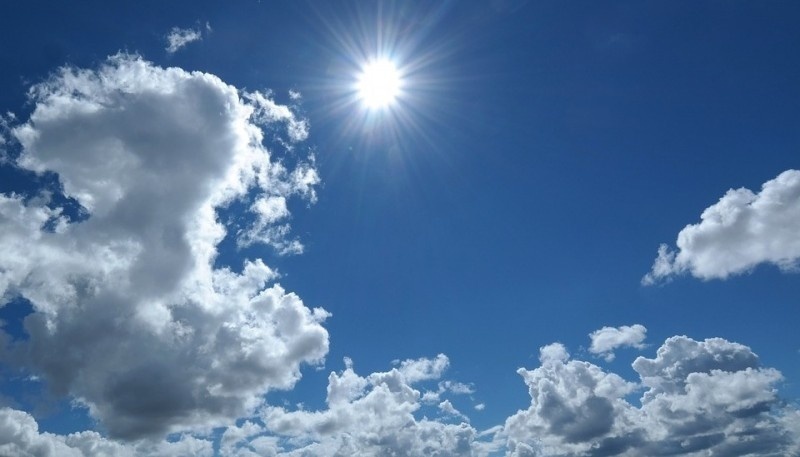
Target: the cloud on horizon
pixel 700 398
pixel 378 414
pixel 697 398
pixel 20 437
pixel 741 231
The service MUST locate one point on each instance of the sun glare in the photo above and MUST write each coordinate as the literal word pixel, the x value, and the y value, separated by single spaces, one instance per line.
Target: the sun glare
pixel 379 84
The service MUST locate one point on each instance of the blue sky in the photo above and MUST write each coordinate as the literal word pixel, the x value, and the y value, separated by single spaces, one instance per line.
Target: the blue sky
pixel 505 210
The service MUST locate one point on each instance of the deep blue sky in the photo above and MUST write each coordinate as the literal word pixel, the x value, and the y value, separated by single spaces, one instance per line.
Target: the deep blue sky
pixel 524 186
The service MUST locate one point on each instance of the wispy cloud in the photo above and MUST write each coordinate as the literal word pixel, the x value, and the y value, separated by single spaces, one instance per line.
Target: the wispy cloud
pixel 742 230
pixel 179 38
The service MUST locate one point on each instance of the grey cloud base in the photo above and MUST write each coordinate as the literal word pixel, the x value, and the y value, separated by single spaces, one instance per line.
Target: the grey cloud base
pixel 698 398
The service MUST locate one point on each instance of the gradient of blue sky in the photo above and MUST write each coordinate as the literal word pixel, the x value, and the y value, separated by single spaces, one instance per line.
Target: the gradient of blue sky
pixel 518 193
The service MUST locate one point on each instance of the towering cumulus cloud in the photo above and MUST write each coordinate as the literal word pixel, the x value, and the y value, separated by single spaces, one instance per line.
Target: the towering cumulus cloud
pixel 131 317
pixel 742 230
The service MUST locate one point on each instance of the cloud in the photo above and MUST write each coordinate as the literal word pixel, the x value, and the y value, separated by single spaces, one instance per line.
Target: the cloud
pixel 574 404
pixel 377 414
pixel 131 317
pixel 607 339
pixel 452 387
pixel 423 369
pixel 178 38
pixel 742 230
pixel 20 437
pixel 700 398
pixel 447 408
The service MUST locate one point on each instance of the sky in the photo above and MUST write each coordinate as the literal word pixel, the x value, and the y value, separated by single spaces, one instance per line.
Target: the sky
pixel 567 229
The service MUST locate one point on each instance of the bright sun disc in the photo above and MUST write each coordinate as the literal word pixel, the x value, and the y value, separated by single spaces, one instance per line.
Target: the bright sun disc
pixel 379 84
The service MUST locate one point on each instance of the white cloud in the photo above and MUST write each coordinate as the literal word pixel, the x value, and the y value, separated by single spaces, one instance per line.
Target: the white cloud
pixel 608 339
pixel 424 369
pixel 377 415
pixel 742 230
pixel 157 339
pixel 178 38
pixel 444 387
pixel 701 398
pixel 267 111
pixel 554 352
pixel 457 388
pixel 448 409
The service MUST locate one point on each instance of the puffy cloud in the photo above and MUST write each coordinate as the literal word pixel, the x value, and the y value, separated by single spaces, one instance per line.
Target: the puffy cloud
pixel 574 404
pixel 178 38
pixel 131 316
pixel 608 339
pixel 742 230
pixel 376 415
pixel 701 398
pixel 20 437
pixel 447 408
pixel 423 369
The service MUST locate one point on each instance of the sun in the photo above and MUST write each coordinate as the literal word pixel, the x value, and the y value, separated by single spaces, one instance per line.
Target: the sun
pixel 379 84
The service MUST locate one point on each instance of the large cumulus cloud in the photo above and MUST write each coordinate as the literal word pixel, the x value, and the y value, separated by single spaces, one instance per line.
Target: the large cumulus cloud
pixel 700 398
pixel 742 230
pixel 131 316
